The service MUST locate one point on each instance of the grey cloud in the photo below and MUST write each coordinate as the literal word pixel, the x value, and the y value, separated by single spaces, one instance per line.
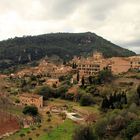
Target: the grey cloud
pixel 115 20
pixel 63 8
pixel 133 48
pixel 99 10
pixel 132 45
pixel 46 10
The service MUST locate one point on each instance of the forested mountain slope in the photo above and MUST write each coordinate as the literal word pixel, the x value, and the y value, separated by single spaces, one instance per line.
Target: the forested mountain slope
pixel 22 50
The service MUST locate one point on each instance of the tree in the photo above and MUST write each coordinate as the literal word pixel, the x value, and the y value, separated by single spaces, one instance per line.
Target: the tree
pixel 86 100
pixel 138 90
pixel 132 129
pixel 105 103
pixel 90 80
pixel 111 101
pixel 78 76
pixel 23 83
pixel 105 76
pixel 64 62
pixel 101 128
pixel 84 133
pixel 17 101
pixel 123 98
pixel 22 135
pixel 45 91
pixel 30 110
pixel 74 65
pixel 33 77
pixel 83 81
pixel 61 78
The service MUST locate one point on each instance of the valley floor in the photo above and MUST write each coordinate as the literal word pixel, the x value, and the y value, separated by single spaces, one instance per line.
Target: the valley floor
pixel 55 129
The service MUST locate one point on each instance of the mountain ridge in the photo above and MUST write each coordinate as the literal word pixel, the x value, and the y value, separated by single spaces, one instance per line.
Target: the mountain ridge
pixel 65 45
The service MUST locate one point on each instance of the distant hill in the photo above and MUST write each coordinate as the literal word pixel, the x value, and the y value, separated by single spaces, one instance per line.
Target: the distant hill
pixel 22 50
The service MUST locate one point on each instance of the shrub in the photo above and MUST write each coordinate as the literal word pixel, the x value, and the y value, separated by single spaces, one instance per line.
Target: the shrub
pixel 17 101
pixel 84 133
pixel 132 129
pixel 86 100
pixel 101 128
pixel 63 115
pixel 48 112
pixel 105 76
pixel 37 135
pixel 45 91
pixel 22 135
pixel 30 110
pixel 39 126
pixel 28 132
pixel 69 96
pixel 33 128
pixel 138 90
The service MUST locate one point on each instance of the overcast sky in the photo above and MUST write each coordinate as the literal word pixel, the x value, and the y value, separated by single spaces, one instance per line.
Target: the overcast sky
pixel 115 20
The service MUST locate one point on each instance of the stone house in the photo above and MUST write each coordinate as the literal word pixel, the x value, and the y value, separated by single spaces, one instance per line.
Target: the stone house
pixel 31 99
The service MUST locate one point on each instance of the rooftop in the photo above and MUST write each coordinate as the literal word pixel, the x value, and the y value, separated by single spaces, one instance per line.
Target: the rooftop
pixel 29 95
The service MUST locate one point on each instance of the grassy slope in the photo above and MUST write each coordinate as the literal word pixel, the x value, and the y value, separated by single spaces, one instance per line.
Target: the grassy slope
pixel 62 132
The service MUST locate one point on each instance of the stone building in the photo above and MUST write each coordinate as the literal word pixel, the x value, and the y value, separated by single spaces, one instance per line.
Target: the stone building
pixel 119 65
pixel 60 71
pixel 31 99
pixel 135 62
pixel 53 82
pixel 92 65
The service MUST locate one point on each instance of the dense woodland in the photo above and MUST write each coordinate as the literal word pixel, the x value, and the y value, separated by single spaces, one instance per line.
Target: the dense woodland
pixel 22 50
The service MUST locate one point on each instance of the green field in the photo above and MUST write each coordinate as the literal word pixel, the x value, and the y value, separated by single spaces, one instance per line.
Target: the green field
pixel 56 129
pixel 62 132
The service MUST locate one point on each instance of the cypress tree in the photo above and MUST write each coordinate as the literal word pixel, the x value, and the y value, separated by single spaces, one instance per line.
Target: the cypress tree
pixel 78 76
pixel 90 80
pixel 83 81
pixel 138 91
pixel 125 97
pixel 111 100
pixel 105 103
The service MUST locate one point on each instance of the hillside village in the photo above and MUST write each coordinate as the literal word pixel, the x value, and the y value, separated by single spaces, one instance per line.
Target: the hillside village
pixel 69 70
pixel 77 92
